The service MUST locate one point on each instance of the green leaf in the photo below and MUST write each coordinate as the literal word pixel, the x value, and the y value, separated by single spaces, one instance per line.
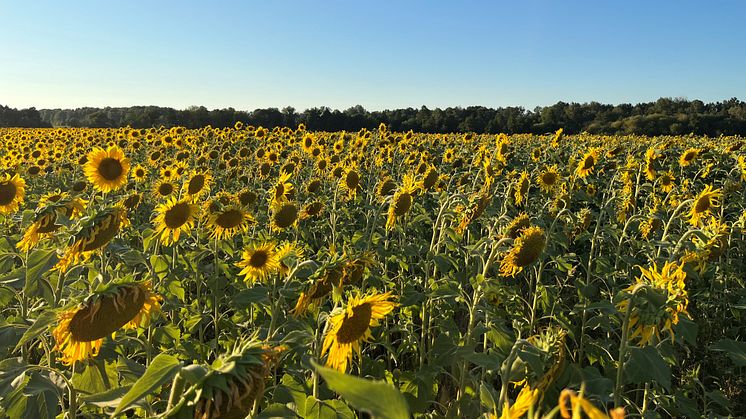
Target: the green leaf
pixel 645 365
pixel 39 262
pixel 40 324
pixel 378 398
pixel 109 398
pixel 161 369
pixel 276 410
pixel 735 350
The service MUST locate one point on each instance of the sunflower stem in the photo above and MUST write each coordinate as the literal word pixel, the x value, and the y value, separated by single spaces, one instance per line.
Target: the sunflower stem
pixel 623 344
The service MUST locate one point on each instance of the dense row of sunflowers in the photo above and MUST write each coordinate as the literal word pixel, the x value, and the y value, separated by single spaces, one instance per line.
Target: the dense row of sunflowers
pixel 203 273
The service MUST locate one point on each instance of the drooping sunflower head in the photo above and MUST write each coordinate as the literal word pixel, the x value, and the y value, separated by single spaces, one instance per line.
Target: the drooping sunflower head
pixel 312 209
pixel 517 225
pixel 107 169
pixel 658 298
pixel 81 330
pixel 526 250
pixel 258 262
pixel 349 328
pixel 12 192
pixel 233 382
pixel 94 234
pixel 703 204
pixel 173 218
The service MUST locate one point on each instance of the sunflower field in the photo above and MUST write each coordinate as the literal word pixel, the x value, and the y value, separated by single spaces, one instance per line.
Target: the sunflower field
pixel 249 272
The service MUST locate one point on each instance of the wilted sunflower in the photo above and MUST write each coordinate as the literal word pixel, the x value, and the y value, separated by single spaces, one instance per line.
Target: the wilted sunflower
pixel 107 169
pixel 12 191
pixel 258 262
pixel 284 215
pixel 525 251
pixel 402 200
pixel 658 300
pixel 94 234
pixel 703 204
pixel 352 326
pixel 81 330
pixel 174 217
pixel 688 156
pixel 232 383
pixel 548 179
pixel 228 221
pixel 589 160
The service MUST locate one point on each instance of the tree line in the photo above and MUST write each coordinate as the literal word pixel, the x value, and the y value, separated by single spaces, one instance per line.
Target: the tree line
pixel 666 116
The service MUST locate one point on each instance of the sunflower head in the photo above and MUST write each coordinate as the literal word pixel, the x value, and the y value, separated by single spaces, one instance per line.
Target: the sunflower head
pixel 703 204
pixel 107 169
pixel 525 251
pixel 173 218
pixel 81 330
pixel 258 262
pixel 349 328
pixel 284 215
pixel 12 192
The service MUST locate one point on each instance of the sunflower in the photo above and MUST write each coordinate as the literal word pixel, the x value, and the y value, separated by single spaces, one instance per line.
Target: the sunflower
pixel 284 215
pixel 386 187
pixel 198 184
pixel 688 156
pixel 312 209
pixel 45 217
pixel 233 382
pixel 94 235
pixel 350 327
pixel 579 405
pixel 107 169
pixel 703 204
pixel 12 191
pixel 258 262
pixel 521 187
pixel 81 330
pixel 349 182
pixel 526 399
pixel 402 200
pixel 174 217
pixel 163 189
pixel 666 181
pixel 282 190
pixel 519 223
pixel 548 179
pixel 228 221
pixel 585 167
pixel 658 299
pixel 526 250
pixel 140 173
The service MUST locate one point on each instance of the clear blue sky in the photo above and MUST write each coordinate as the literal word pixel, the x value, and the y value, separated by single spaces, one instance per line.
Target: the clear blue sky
pixel 379 54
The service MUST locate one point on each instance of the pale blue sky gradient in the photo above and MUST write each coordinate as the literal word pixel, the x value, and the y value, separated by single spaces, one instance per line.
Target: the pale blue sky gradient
pixel 379 54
